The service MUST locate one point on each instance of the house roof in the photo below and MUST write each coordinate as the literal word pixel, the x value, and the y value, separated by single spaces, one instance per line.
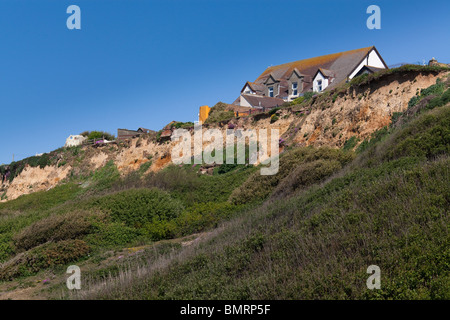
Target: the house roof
pixel 341 64
pixel 261 101
pixel 299 74
pixel 144 130
pixel 326 73
pixel 256 87
pixel 370 69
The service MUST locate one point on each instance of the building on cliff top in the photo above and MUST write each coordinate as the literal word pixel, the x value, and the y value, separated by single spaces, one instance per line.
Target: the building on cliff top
pixel 288 81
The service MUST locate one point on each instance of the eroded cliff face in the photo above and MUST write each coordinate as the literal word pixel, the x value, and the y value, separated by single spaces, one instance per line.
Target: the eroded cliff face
pixel 331 119
pixel 335 117
pixel 127 156
pixel 359 111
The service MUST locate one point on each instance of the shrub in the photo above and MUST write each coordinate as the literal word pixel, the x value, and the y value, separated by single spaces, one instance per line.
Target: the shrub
pixel 98 135
pixel 202 216
pixel 273 111
pixel 308 95
pixel 185 184
pixel 298 100
pixel 274 118
pixel 428 136
pixel 183 125
pixel 144 167
pixel 43 257
pixel 307 174
pixel 351 143
pixel 375 137
pixel 71 225
pixel 219 113
pixel 105 177
pixel 435 89
pixel 257 187
pixel 137 207
pixel 439 101
pixel 42 200
pixel 110 234
pixel 396 116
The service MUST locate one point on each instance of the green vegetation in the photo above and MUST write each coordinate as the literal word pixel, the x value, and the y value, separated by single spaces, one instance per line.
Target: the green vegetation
pixel 351 143
pixel 183 125
pixel 306 97
pixel 436 95
pixel 274 118
pixel 44 257
pixel 108 211
pixel 17 167
pixel 308 232
pixel 220 113
pixel 408 68
pixel 298 168
pixel 95 135
pixel 388 207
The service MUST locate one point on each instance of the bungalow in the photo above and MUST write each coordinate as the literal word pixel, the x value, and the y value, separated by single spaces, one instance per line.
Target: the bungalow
pixel 288 81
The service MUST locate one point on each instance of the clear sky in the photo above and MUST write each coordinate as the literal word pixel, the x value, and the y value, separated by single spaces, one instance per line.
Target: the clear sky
pixel 137 63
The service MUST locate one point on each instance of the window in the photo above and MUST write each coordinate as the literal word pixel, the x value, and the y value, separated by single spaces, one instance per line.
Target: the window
pixel 270 91
pixel 294 88
pixel 319 85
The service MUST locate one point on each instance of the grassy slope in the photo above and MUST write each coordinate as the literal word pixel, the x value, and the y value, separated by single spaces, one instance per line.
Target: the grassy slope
pixel 327 216
pixel 389 207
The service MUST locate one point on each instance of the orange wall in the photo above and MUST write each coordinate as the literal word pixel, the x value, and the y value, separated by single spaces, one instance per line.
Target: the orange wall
pixel 203 114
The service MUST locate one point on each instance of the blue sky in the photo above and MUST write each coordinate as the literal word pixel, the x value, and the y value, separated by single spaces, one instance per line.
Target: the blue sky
pixel 138 63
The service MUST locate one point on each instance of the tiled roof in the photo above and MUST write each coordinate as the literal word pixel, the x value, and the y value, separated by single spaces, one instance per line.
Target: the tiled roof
pixel 264 102
pixel 326 73
pixel 256 87
pixel 340 64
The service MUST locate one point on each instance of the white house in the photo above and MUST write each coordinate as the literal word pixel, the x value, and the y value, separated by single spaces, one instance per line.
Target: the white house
pixel 74 140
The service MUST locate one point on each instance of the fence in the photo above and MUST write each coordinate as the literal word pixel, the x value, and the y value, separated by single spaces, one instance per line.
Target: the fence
pixel 97 141
pixel 252 111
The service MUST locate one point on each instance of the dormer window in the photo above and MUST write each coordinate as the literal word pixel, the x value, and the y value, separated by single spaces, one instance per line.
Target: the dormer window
pixel 319 85
pixel 294 88
pixel 270 91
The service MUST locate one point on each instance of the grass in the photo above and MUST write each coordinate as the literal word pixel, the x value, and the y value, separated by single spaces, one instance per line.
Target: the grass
pixel 388 207
pixel 309 232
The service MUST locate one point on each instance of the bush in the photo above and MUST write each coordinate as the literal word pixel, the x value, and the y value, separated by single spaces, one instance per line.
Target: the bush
pixel 435 89
pixel 43 257
pixel 107 234
pixel 298 100
pixel 137 207
pixel 351 143
pixel 105 177
pixel 202 216
pixel 95 135
pixel 308 95
pixel 183 125
pixel 274 118
pixel 375 137
pixel 428 136
pixel 439 101
pixel 219 113
pixel 72 225
pixel 257 187
pixel 273 111
pixel 15 168
pixel 42 200
pixel 185 184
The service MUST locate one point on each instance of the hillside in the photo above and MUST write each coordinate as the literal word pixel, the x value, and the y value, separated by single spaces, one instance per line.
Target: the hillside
pixel 363 180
